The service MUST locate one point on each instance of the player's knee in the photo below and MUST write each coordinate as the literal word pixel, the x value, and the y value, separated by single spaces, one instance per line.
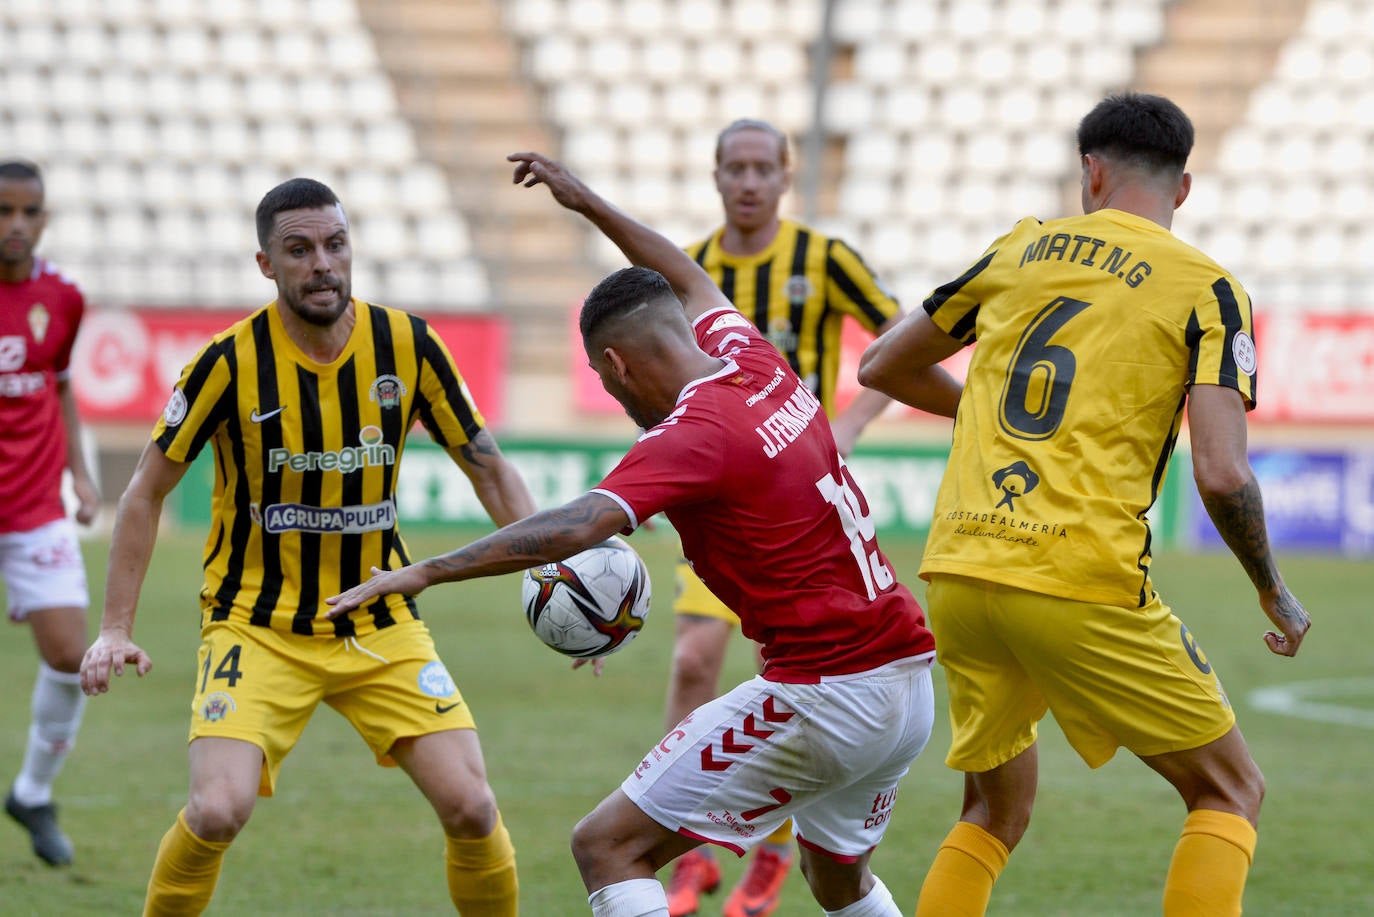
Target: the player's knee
pixel 696 662
pixel 65 659
pixel 469 814
pixel 587 850
pixel 217 817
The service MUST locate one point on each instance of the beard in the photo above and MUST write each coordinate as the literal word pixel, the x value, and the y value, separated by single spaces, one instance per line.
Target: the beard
pixel 323 316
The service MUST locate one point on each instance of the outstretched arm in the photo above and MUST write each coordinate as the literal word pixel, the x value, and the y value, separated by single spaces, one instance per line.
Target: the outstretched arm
pixel 539 539
pixel 131 548
pixel 1229 491
pixel 640 244
pixel 903 362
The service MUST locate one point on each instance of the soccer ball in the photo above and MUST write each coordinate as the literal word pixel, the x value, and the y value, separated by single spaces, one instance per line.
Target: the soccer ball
pixel 591 604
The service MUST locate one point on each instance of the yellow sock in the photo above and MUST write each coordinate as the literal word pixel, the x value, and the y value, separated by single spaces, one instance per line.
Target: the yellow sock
pixel 1211 861
pixel 481 874
pixel 185 872
pixel 782 836
pixel 960 880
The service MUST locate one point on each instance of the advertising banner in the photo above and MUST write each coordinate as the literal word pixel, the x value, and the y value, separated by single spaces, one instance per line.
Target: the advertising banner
pixel 1317 501
pixel 127 360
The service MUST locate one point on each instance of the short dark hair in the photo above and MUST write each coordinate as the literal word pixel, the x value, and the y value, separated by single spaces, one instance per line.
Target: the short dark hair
pixel 751 124
pixel 20 170
pixel 1146 130
pixel 619 293
pixel 292 194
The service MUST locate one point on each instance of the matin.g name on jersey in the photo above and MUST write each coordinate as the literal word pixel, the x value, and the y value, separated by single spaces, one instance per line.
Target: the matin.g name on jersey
pixel 788 422
pixel 331 520
pixel 350 458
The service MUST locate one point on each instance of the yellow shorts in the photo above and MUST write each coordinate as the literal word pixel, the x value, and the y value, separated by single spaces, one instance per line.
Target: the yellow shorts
pixel 1113 677
pixel 693 598
pixel 261 686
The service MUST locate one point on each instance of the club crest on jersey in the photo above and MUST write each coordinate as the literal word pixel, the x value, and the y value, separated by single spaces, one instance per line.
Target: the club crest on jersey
pixel 387 390
pixel 1015 480
pixel 175 411
pixel 38 321
pixel 798 289
pixel 13 351
pixel 216 707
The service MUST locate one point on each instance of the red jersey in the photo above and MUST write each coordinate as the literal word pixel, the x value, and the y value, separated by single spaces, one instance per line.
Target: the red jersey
pixel 38 322
pixel 747 471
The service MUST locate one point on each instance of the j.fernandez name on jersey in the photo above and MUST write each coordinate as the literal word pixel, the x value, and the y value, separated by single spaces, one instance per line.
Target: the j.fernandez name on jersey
pixel 785 424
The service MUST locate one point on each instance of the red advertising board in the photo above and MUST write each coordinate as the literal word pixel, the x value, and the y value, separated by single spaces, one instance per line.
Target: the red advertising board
pixel 127 360
pixel 1313 368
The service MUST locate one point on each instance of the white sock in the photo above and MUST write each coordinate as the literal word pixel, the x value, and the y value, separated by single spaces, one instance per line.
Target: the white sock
pixel 57 707
pixel 877 903
pixel 632 898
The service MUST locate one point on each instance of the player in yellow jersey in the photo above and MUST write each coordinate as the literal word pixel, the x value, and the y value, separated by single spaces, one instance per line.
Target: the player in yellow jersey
pixel 1094 332
pixel 798 287
pixel 306 405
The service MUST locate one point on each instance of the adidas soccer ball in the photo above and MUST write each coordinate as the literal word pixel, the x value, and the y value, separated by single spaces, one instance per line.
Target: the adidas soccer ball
pixel 592 603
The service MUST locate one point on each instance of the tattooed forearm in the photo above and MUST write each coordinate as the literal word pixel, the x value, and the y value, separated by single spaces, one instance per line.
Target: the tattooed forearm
pixel 550 535
pixel 1239 517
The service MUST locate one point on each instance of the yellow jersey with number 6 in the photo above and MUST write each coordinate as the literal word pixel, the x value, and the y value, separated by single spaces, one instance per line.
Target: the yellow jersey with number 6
pixel 1090 331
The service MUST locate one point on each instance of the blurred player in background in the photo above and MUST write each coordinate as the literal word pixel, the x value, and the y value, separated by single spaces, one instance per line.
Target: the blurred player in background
pixel 1093 333
pixel 737 452
pixel 306 404
pixel 40 559
pixel 797 287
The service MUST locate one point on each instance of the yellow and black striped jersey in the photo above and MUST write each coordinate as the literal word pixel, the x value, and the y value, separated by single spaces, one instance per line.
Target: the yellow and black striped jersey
pixel 797 291
pixel 306 456
pixel 1090 331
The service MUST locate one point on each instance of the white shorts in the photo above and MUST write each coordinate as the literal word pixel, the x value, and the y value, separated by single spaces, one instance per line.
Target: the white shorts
pixel 827 755
pixel 43 569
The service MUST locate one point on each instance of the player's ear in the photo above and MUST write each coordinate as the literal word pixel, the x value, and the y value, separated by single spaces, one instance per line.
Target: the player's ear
pixel 617 363
pixel 1185 185
pixel 265 265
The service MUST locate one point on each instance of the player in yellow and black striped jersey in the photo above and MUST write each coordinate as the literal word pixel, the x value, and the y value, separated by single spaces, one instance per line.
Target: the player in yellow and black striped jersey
pixel 798 286
pixel 1094 334
pixel 305 406
pixel 306 456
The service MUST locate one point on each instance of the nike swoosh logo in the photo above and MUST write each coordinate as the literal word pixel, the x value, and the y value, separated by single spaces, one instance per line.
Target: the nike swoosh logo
pixel 440 708
pixel 259 418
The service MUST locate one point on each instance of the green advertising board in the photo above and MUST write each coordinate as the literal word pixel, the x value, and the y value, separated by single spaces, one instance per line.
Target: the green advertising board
pixel 899 481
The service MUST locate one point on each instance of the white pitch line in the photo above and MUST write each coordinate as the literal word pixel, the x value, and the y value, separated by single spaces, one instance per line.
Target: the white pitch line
pixel 1308 700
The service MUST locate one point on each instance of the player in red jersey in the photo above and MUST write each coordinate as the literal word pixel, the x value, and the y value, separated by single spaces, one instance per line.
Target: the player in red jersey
pixel 738 453
pixel 40 559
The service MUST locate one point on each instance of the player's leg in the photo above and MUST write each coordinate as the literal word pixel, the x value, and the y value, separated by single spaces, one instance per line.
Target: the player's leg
pixel 996 811
pixel 703 626
pixel 618 848
pixel 255 691
pixel 1136 678
pixel 846 889
pixel 449 770
pixel 994 708
pixel 46 582
pixel 1223 788
pixel 394 689
pixel 225 777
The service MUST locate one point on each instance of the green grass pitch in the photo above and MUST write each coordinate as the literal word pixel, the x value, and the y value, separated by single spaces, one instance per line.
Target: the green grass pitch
pixel 346 837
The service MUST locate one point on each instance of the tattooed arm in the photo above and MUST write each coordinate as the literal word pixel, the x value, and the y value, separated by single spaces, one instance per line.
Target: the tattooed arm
pixel 1229 491
pixel 498 485
pixel 547 536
